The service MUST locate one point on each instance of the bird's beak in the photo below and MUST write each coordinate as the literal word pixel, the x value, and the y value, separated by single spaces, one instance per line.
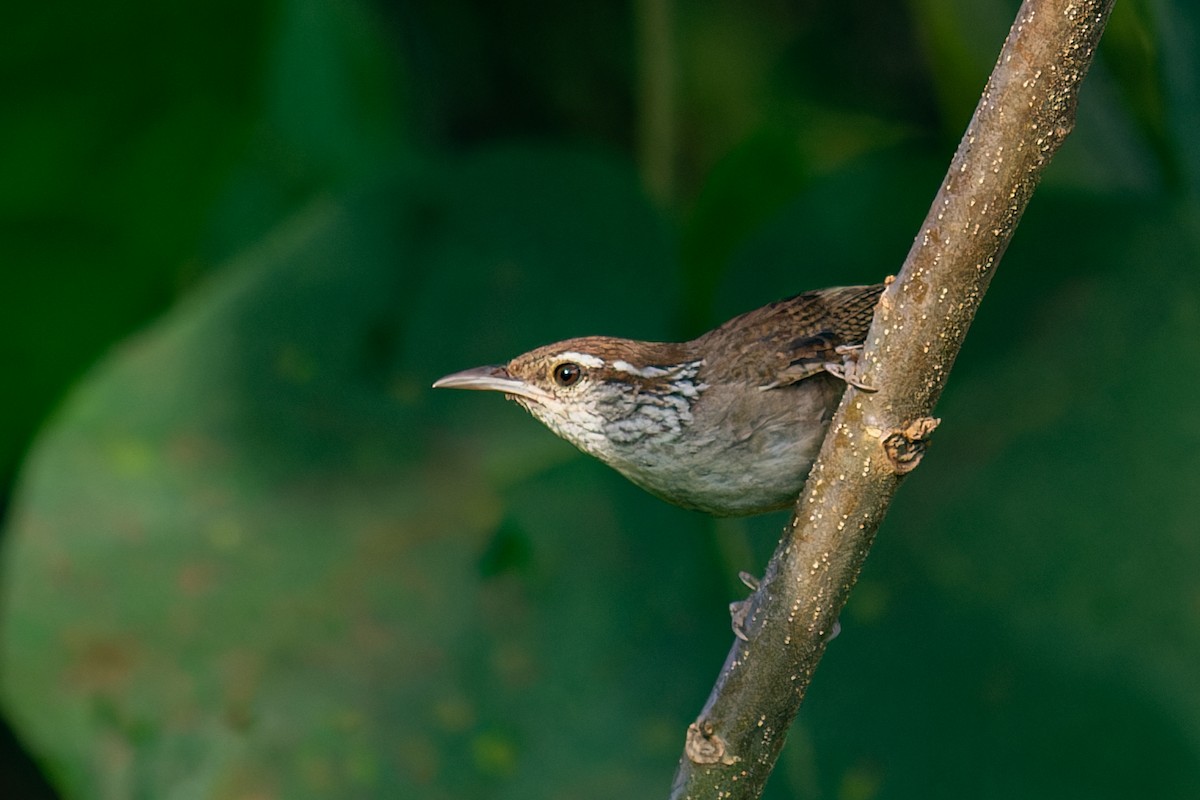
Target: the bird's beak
pixel 491 379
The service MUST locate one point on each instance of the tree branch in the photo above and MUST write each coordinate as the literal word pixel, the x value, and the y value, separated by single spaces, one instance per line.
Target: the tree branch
pixel 1025 113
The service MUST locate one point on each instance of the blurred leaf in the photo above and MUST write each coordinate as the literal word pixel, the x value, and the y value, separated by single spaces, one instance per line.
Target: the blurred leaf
pixel 745 188
pixel 960 44
pixel 1177 31
pixel 250 558
pixel 1130 52
pixel 114 145
pixel 123 130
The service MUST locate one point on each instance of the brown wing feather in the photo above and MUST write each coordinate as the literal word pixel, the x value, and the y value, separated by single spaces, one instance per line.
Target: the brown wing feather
pixel 791 339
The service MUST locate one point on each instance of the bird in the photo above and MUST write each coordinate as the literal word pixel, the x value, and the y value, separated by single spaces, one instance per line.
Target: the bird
pixel 728 423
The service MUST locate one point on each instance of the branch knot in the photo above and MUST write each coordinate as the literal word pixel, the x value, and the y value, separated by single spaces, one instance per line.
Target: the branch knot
pixel 905 446
pixel 705 746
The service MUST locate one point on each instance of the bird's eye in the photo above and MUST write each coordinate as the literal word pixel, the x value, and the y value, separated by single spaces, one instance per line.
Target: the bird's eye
pixel 567 373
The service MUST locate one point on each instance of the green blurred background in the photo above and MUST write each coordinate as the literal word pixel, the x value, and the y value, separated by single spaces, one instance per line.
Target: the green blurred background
pixel 249 554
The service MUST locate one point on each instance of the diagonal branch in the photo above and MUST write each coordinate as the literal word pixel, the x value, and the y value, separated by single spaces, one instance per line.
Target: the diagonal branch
pixel 1025 113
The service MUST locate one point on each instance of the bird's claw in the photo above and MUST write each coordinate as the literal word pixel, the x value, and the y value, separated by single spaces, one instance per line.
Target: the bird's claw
pixel 848 369
pixel 739 610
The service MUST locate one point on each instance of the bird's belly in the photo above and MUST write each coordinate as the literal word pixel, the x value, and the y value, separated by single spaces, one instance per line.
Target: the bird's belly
pixel 763 472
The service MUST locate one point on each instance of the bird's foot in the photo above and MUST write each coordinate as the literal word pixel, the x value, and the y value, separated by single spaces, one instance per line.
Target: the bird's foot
pixel 848 369
pixel 739 610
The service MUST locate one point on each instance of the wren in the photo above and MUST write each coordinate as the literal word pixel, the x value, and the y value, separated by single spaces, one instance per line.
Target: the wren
pixel 728 423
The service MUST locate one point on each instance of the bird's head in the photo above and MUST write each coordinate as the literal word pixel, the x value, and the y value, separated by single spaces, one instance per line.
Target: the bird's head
pixel 602 394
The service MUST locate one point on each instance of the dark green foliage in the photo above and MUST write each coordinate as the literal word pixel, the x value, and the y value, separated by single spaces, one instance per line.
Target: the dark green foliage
pixel 252 554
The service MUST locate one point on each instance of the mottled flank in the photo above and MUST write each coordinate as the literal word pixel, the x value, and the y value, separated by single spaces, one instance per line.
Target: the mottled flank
pixel 728 423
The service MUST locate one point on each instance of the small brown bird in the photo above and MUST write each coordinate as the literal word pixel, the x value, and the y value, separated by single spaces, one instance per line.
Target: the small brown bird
pixel 729 423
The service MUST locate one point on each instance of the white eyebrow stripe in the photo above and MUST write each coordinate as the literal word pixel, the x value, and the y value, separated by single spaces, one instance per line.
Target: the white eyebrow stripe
pixel 585 359
pixel 644 372
pixel 685 370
